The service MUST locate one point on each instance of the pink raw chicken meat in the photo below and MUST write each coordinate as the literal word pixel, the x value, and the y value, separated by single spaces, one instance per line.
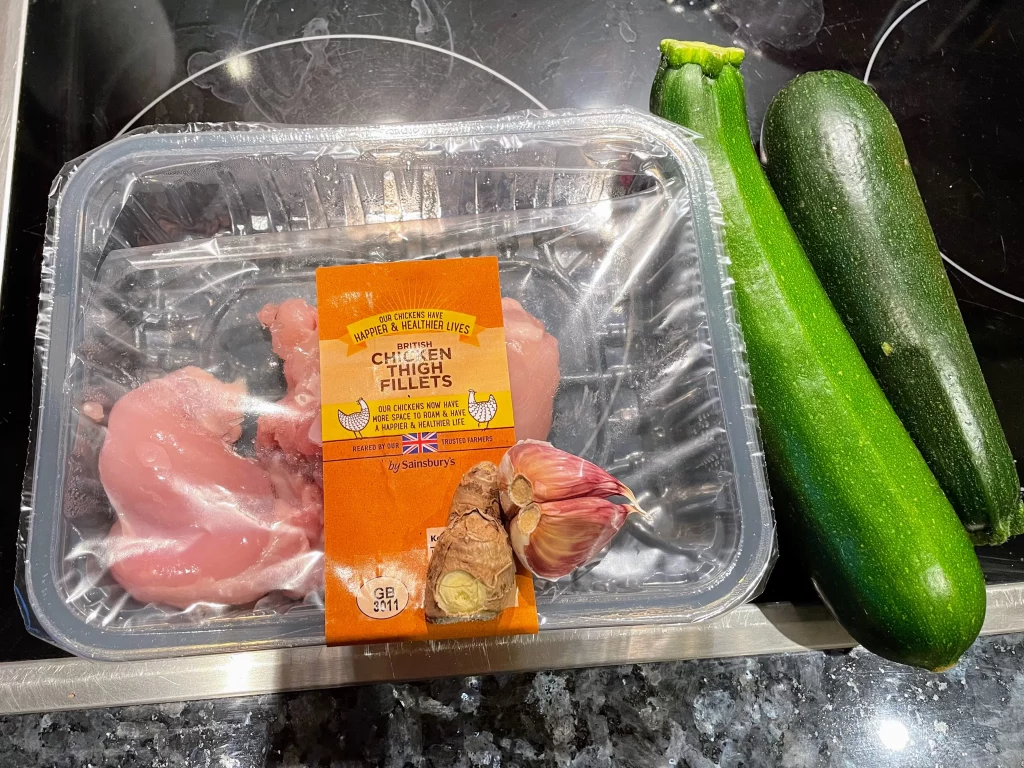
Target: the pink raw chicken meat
pixel 532 370
pixel 196 522
pixel 293 422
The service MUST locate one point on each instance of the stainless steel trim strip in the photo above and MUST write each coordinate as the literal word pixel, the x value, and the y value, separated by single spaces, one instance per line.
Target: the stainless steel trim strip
pixel 13 20
pixel 749 630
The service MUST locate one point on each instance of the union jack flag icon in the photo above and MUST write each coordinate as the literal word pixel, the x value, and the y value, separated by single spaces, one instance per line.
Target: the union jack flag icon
pixel 419 442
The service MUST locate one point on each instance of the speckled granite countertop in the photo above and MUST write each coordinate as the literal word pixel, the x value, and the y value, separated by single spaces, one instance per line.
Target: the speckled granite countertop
pixel 813 709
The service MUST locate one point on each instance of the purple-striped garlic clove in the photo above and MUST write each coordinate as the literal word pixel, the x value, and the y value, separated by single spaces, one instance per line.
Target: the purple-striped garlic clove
pixel 533 471
pixel 553 538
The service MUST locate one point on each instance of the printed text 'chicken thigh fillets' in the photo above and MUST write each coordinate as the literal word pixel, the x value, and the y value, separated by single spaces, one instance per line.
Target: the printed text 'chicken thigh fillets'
pixel 196 522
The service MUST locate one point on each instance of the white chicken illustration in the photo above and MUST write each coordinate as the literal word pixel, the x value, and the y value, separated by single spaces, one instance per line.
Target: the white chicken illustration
pixel 483 412
pixel 355 422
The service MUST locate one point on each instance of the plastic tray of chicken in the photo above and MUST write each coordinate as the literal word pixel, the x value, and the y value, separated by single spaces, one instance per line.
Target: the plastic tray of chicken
pixel 179 291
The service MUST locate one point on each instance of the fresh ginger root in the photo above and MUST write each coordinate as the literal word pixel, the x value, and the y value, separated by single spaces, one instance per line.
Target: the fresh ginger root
pixel 478 489
pixel 472 571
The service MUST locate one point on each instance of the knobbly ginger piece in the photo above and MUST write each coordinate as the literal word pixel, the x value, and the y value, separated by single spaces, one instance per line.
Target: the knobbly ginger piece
pixel 471 573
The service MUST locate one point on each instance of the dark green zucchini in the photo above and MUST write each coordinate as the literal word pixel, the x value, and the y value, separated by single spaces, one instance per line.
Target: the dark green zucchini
pixel 884 547
pixel 836 160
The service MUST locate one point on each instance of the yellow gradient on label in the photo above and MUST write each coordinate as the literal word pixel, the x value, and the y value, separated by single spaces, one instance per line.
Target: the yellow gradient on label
pixel 434 413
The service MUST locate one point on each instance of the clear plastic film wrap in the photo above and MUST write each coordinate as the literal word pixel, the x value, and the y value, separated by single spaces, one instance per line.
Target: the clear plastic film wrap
pixel 178 297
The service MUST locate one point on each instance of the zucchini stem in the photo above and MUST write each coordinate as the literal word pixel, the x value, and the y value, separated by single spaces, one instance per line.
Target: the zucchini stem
pixel 710 58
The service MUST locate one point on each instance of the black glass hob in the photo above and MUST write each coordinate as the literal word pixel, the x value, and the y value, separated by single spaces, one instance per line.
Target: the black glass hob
pixel 92 68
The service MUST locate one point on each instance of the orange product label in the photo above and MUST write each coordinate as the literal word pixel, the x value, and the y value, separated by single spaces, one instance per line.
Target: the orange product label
pixel 415 393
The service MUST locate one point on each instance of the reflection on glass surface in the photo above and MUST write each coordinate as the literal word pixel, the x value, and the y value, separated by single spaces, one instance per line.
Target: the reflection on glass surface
pixel 238 69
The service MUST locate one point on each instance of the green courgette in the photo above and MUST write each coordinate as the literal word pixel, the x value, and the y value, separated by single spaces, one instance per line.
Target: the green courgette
pixel 884 547
pixel 836 160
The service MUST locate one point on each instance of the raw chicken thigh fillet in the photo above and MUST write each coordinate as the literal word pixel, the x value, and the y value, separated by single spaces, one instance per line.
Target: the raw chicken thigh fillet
pixel 293 423
pixel 532 370
pixel 198 523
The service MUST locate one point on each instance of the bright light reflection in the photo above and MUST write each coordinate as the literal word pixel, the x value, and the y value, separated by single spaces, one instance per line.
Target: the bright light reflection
pixel 893 734
pixel 239 671
pixel 239 69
